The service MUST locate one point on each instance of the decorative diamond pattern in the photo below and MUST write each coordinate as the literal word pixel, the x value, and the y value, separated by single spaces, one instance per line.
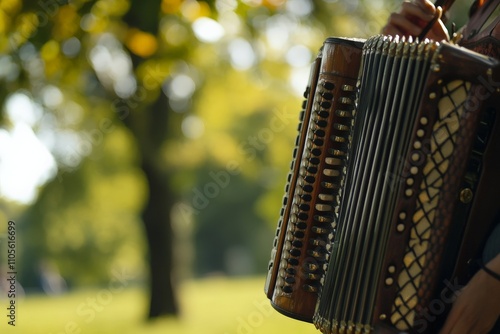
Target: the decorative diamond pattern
pixel 442 144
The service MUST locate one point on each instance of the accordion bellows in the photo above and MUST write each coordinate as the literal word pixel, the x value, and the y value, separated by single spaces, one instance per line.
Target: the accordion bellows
pixel 384 179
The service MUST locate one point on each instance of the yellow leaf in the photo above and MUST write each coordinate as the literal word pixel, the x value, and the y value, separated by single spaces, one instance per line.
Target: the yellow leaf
pixel 66 23
pixel 171 6
pixel 193 10
pixel 50 50
pixel 10 6
pixel 4 22
pixel 26 25
pixel 141 43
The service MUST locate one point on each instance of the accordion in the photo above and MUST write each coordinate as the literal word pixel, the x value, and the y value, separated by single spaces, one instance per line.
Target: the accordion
pixel 393 185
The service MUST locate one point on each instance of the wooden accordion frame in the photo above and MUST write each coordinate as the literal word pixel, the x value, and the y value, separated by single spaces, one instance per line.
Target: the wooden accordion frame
pixel 394 182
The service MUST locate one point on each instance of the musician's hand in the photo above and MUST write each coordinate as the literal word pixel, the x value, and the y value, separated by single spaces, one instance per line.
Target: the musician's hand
pixel 477 308
pixel 413 17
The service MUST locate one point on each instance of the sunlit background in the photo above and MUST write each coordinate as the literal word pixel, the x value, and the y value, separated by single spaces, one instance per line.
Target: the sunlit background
pixel 143 139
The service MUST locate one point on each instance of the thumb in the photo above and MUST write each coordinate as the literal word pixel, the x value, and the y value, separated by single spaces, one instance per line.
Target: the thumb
pixel 438 31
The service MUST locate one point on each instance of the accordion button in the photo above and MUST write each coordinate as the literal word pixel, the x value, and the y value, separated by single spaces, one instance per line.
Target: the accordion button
pixel 311 266
pixel 310 288
pixel 331 172
pixel 309 179
pixel 327 96
pixel 308 188
pixel 325 104
pixel 323 207
pixel 348 88
pixel 316 152
pixel 318 242
pixel 338 139
pixel 298 234
pixel 326 197
pixel 301 225
pixel 341 127
pixel 466 195
pixel 329 85
pixel 333 161
pixel 323 218
pixel 323 113
pixel 319 230
pixel 329 185
pixel 317 254
pixel 319 133
pixel 318 141
pixel 322 124
pixel 338 153
pixel 346 100
pixel 314 161
pixel 295 252
pixel 343 113
pixel 306 197
pixel 312 170
pixel 312 276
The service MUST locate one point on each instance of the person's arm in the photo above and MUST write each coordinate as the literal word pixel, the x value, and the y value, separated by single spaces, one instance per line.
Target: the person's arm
pixel 411 19
pixel 477 308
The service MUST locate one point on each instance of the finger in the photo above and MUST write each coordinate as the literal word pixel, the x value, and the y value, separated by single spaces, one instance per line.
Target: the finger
pixel 406 26
pixel 439 30
pixel 426 5
pixel 463 319
pixel 452 319
pixel 423 10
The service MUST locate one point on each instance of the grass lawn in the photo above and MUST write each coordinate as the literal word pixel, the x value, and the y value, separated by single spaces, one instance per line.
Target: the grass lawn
pixel 209 306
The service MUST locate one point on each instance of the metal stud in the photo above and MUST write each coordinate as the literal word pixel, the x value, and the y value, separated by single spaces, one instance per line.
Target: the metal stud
pixel 466 195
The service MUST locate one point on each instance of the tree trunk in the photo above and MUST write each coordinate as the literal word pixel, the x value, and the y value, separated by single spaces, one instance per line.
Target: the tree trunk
pixel 149 126
pixel 156 217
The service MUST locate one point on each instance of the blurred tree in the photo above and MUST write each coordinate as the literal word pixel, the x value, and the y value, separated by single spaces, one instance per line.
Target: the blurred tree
pixel 150 127
pixel 78 50
pixel 85 226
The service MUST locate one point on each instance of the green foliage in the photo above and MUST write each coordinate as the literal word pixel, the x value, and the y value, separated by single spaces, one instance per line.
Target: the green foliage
pixel 139 79
pixel 85 222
